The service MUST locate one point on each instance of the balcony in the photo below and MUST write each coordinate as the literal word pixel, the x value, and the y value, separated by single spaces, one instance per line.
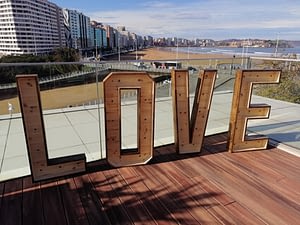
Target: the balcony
pixel 210 187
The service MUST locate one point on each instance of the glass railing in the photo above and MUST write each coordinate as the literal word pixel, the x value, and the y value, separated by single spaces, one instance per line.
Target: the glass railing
pixel 73 109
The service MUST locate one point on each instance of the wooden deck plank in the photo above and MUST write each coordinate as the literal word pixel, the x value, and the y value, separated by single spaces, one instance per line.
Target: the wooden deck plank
pixel 11 209
pixel 1 193
pixel 243 215
pixel 234 214
pixel 112 205
pixel 179 167
pixel 90 201
pixel 203 182
pixel 197 199
pixel 53 209
pixel 181 196
pixel 281 193
pixel 166 196
pixel 289 167
pixel 72 204
pixel 147 196
pixel 32 207
pixel 211 187
pixel 134 208
pixel 276 170
pixel 253 165
pixel 226 175
pixel 225 182
pixel 222 215
pixel 203 186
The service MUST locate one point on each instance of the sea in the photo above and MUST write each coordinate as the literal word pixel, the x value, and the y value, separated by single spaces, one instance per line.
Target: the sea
pixel 243 52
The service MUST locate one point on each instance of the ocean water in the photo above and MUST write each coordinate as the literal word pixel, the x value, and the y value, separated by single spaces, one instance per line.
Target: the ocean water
pixel 247 51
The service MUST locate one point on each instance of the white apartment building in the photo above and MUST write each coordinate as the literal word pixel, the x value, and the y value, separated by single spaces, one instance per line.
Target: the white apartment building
pixel 30 27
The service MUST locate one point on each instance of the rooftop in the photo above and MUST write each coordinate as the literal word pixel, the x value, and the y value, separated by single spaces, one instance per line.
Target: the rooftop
pixel 214 187
pixel 211 187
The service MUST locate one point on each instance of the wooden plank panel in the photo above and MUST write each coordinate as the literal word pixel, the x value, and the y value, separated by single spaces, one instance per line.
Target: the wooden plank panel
pixel 223 215
pixel 112 205
pixel 277 170
pixel 289 164
pixel 147 197
pixel 166 197
pixel 11 209
pixel 219 195
pixel 53 209
pixel 194 189
pixel 32 207
pixel 1 194
pixel 134 208
pixel 183 201
pixel 247 191
pixel 260 187
pixel 285 184
pixel 243 215
pixel 73 208
pixel 199 185
pixel 235 214
pixel 92 204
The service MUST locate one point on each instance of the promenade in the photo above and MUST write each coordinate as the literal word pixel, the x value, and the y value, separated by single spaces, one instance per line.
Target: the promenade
pixel 79 130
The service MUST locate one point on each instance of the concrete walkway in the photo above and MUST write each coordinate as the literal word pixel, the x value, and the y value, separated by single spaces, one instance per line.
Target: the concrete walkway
pixel 77 130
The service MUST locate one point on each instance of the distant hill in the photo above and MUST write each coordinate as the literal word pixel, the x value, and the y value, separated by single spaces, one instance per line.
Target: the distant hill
pixel 294 43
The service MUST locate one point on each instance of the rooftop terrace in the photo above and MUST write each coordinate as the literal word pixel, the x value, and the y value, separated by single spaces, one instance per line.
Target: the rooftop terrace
pixel 76 130
pixel 211 187
pixel 214 187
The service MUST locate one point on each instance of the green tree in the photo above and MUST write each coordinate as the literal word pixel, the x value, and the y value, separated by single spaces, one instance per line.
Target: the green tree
pixel 8 73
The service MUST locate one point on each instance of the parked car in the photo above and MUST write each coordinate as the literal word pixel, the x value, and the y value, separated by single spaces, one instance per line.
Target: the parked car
pixel 190 68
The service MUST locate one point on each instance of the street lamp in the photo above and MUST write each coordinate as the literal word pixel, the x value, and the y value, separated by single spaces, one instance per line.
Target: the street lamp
pixel 96 56
pixel 119 50
pixel 232 65
pixel 136 51
pixel 176 52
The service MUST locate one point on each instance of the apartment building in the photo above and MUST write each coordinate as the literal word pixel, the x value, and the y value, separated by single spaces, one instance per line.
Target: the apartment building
pixel 111 37
pixel 98 35
pixel 80 29
pixel 30 27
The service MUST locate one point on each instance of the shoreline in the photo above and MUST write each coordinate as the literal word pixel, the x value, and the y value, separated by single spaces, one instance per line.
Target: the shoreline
pixel 165 53
pixel 170 53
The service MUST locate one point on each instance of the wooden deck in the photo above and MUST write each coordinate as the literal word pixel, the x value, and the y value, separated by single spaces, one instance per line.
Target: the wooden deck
pixel 215 187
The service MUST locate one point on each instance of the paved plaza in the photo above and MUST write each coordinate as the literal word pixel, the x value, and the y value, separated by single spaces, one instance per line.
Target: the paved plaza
pixel 79 130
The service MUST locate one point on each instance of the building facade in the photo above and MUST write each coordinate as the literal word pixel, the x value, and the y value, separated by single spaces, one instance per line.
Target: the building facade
pixel 30 27
pixel 79 30
pixel 98 35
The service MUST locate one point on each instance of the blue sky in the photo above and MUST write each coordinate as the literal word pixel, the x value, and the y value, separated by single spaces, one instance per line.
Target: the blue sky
pixel 216 19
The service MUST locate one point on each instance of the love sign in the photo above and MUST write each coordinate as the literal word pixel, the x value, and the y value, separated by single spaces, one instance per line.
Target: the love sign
pixel 188 130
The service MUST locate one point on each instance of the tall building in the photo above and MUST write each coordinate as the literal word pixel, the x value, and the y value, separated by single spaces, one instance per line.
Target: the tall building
pixel 98 35
pixel 149 41
pixel 79 28
pixel 110 34
pixel 30 27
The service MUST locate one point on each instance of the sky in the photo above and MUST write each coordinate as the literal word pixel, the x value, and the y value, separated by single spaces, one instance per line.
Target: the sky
pixel 212 19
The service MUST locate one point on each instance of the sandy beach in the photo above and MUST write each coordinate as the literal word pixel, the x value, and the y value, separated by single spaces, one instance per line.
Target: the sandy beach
pixel 160 53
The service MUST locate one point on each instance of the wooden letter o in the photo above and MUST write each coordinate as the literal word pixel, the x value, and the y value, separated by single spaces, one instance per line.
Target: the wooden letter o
pixel 145 87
